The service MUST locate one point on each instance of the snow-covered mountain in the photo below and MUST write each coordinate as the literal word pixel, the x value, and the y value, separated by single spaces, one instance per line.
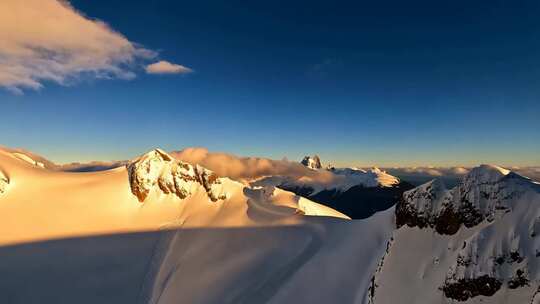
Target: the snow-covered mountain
pixel 356 192
pixel 158 230
pixel 157 169
pixel 162 231
pixel 150 192
pixel 476 243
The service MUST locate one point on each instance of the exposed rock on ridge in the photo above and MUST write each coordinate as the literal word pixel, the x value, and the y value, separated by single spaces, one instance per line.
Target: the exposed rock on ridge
pixel 481 195
pixel 172 177
pixel 485 237
pixel 312 162
pixel 4 182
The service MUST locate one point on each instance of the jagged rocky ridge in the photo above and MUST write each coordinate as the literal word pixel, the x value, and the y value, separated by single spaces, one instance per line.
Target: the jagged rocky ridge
pixel 483 245
pixel 157 170
pixel 483 194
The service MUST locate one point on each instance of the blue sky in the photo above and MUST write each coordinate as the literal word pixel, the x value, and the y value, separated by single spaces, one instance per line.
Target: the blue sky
pixel 360 83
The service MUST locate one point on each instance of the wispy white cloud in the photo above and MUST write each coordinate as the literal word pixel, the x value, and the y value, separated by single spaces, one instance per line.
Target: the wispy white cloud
pixel 48 40
pixel 165 67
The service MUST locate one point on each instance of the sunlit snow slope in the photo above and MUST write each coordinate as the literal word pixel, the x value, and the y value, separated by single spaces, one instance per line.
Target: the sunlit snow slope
pixel 151 192
pixel 206 239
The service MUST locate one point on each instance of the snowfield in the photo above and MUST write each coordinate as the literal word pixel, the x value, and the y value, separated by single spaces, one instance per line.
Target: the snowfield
pixel 89 238
pixel 151 192
pixel 159 230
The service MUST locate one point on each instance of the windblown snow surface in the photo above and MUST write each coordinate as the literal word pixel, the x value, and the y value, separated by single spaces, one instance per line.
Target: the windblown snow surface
pixel 162 231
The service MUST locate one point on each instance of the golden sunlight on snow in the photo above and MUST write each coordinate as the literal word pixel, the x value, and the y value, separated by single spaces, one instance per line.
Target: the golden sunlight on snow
pixel 38 204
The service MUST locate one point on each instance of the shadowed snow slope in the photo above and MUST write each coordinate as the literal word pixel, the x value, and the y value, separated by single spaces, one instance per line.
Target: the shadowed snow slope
pixel 323 260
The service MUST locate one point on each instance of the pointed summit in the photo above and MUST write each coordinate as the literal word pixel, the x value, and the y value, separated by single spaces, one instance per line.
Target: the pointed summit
pixel 486 174
pixel 312 162
pixel 171 176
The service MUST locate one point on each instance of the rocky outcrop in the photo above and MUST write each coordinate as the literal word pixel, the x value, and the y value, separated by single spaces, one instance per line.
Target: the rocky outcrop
pixel 518 280
pixel 483 194
pixel 158 170
pixel 483 240
pixel 4 182
pixel 312 162
pixel 463 289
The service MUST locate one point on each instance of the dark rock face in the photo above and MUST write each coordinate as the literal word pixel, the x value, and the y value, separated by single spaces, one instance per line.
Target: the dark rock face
pixel 4 182
pixel 431 205
pixel 448 221
pixel 499 252
pixel 358 202
pixel 509 258
pixel 406 215
pixel 515 257
pixel 464 289
pixel 518 280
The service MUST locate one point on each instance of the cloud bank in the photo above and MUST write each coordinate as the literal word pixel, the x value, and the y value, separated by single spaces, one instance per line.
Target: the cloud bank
pixel 250 168
pixel 429 171
pixel 48 40
pixel 165 67
pixel 418 175
pixel 240 167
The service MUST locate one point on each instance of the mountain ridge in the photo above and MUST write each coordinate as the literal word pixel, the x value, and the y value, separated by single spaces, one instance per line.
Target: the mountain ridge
pixel 474 243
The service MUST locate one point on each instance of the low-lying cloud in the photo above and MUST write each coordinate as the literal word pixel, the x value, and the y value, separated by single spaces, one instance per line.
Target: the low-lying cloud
pixel 429 171
pixel 418 175
pixel 252 168
pixel 240 167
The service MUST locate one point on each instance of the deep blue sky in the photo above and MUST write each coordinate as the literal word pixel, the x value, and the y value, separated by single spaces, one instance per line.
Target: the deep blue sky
pixel 360 83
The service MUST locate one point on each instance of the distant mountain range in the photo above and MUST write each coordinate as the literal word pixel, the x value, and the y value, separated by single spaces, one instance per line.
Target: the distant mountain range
pixel 356 192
